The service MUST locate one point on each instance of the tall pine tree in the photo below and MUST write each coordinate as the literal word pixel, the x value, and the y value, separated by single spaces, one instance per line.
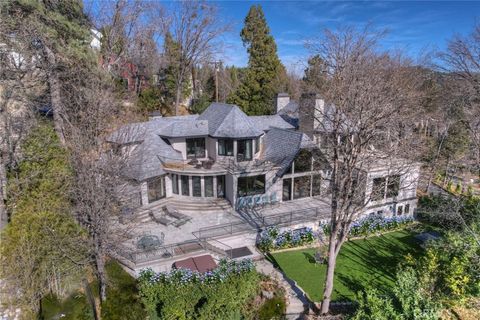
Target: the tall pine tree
pixel 265 75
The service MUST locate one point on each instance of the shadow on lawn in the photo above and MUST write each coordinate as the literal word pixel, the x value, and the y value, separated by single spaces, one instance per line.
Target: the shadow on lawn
pixel 370 262
pixel 381 255
pixel 310 258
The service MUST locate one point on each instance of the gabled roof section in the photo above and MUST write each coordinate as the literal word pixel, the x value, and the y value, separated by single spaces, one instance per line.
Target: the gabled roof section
pixel 228 121
pixel 143 161
pixel 265 123
pixel 193 128
pixel 281 147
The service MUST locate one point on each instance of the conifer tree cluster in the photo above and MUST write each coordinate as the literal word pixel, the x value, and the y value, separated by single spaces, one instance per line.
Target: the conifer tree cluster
pixel 265 75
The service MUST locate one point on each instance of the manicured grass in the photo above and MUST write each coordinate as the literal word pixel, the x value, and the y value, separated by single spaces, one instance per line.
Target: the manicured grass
pixel 372 261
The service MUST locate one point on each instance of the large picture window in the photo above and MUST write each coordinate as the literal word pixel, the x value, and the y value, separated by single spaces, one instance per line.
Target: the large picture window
pixel 208 186
pixel 225 147
pixel 156 189
pixel 378 189
pixel 196 186
pixel 287 189
pixel 248 186
pixel 301 187
pixel 316 185
pixel 385 187
pixel 185 185
pixel 393 186
pixel 244 150
pixel 303 162
pixel 220 186
pixel 196 148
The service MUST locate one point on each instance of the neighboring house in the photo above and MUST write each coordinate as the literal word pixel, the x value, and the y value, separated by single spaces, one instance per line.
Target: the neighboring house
pixel 239 166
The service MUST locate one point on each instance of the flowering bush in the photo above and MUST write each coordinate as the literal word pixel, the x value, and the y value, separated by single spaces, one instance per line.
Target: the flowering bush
pixel 272 238
pixel 222 293
pixel 181 276
pixel 372 224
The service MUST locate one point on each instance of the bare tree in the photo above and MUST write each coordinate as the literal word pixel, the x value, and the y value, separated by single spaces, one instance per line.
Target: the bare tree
pixel 195 29
pixel 369 98
pixel 94 111
pixel 462 59
pixel 130 31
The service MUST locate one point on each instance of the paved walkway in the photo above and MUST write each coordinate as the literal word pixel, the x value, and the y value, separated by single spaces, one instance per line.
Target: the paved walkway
pixel 295 298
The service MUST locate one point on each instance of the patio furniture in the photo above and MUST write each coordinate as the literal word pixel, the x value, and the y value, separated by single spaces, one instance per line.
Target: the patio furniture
pixel 160 218
pixel 150 242
pixel 241 203
pixel 257 201
pixel 171 211
pixel 207 164
pixel 193 162
pixel 179 223
pixel 265 200
pixel 273 199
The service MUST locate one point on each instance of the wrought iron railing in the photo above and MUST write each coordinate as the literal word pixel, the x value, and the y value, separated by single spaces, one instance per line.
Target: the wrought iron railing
pixel 206 237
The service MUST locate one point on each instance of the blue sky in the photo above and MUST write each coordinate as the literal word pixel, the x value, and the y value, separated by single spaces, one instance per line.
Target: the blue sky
pixel 415 27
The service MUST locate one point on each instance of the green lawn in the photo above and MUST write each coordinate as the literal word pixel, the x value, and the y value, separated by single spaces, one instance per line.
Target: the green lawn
pixel 361 262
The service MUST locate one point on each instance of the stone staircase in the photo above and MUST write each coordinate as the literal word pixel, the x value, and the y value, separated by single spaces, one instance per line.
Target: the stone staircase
pixel 186 205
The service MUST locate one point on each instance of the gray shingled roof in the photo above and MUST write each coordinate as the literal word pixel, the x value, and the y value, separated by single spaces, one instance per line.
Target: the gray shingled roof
pixel 265 123
pixel 144 162
pixel 228 121
pixel 135 132
pixel 193 128
pixel 281 147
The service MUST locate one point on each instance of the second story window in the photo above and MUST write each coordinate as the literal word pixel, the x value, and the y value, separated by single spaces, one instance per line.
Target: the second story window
pixel 195 148
pixel 225 147
pixel 244 150
pixel 385 187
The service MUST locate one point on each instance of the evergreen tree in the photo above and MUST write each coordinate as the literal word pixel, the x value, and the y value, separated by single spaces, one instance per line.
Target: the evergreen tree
pixel 314 78
pixel 56 31
pixel 41 249
pixel 170 73
pixel 265 75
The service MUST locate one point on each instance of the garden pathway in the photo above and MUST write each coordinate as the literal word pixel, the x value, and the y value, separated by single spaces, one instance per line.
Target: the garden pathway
pixel 296 300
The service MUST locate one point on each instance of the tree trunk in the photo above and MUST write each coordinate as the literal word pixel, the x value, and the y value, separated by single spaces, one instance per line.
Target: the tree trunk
pixel 177 99
pixel 55 95
pixel 3 195
pixel 332 260
pixel 91 299
pixel 101 276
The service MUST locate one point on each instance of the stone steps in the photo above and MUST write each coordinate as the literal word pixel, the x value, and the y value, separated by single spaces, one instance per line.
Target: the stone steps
pixel 187 205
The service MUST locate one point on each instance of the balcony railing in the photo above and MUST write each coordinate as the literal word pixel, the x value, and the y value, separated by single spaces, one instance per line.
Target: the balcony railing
pixel 253 224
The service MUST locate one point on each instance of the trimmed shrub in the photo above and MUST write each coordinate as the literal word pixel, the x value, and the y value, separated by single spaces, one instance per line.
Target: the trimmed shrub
pixel 184 294
pixel 272 238
pixel 373 224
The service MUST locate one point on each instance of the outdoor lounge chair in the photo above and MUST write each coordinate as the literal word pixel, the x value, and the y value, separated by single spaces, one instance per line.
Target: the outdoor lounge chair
pixel 172 212
pixel 265 200
pixel 160 218
pixel 273 199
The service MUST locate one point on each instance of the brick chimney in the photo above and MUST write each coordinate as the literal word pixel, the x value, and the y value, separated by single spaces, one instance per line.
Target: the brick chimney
pixel 311 109
pixel 282 100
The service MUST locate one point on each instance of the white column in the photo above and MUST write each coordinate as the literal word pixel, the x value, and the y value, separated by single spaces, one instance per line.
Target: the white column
pixel 215 186
pixel 144 192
